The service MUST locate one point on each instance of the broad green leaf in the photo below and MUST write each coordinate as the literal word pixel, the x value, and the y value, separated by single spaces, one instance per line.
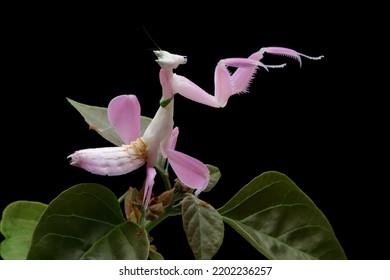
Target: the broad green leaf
pixel 215 175
pixel 18 223
pixel 127 241
pixel 154 255
pixel 86 222
pixel 203 226
pixel 97 119
pixel 280 220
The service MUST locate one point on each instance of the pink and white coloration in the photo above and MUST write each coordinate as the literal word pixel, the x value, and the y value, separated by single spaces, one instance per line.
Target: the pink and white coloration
pixel 226 84
pixel 124 115
pixel 112 161
pixel 161 136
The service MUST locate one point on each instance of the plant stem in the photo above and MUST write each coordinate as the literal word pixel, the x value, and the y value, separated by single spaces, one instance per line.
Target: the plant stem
pixel 122 197
pixel 165 178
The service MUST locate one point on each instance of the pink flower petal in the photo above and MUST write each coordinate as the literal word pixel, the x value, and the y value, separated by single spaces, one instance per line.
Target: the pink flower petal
pixel 111 161
pixel 191 172
pixel 124 114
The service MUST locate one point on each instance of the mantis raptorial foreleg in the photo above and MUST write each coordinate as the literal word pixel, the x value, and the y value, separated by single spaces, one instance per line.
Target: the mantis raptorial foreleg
pixel 226 84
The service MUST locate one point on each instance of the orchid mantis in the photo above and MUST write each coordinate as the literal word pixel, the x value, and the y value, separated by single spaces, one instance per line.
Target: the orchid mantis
pixel 161 136
pixel 226 84
pixel 137 150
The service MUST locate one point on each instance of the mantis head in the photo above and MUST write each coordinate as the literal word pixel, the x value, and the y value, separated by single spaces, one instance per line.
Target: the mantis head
pixel 169 61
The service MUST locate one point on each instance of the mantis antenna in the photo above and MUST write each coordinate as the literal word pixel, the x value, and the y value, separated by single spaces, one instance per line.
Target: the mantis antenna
pixel 150 37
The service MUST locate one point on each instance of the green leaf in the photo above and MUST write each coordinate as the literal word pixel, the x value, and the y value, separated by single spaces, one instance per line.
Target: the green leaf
pixel 97 119
pixel 17 226
pixel 203 226
pixel 86 222
pixel 154 255
pixel 127 241
pixel 215 175
pixel 280 220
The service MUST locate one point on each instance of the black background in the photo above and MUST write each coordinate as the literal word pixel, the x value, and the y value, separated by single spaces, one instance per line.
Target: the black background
pixel 322 125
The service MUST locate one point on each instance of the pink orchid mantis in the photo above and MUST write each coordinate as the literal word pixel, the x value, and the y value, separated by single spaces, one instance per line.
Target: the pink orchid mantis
pixel 124 115
pixel 226 84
